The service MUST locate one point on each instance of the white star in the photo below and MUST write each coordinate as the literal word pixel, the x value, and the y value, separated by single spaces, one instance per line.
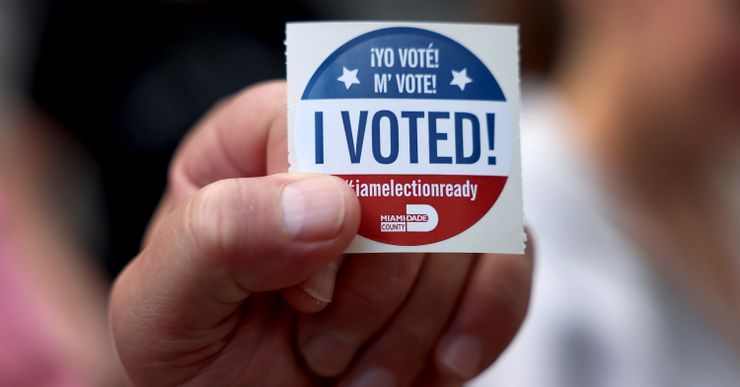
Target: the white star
pixel 349 77
pixel 460 78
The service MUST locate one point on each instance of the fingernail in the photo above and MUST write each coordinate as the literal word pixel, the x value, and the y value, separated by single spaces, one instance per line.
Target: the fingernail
pixel 375 377
pixel 462 356
pixel 320 286
pixel 313 208
pixel 328 354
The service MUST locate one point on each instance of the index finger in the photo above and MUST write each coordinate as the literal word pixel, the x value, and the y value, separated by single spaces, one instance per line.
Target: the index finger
pixel 232 140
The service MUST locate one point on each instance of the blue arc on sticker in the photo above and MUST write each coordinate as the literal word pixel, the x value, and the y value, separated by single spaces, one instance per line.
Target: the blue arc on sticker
pixel 348 73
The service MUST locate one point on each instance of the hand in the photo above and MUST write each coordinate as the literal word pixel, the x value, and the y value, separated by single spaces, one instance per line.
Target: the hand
pixel 241 279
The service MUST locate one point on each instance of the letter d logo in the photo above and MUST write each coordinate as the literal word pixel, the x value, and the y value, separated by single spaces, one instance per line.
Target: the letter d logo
pixel 422 209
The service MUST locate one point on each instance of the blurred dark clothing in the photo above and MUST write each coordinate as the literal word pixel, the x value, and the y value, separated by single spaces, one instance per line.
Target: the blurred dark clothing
pixel 128 79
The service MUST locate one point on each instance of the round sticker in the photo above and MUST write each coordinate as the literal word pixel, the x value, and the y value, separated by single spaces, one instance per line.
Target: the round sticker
pixel 418 127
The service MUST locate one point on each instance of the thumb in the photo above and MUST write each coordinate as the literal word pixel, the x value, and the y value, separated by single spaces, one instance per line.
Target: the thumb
pixel 232 238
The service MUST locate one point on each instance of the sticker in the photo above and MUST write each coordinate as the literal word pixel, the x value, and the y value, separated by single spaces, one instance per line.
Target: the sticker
pixel 422 122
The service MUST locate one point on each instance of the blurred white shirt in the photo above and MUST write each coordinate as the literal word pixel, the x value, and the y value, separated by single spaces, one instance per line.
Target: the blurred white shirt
pixel 599 315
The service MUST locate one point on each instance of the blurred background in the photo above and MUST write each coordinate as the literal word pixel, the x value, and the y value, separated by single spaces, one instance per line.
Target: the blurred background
pixel 631 170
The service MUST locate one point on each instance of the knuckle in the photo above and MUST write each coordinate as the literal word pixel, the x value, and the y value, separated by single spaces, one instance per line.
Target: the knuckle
pixel 508 291
pixel 379 287
pixel 419 332
pixel 372 297
pixel 208 220
pixel 507 306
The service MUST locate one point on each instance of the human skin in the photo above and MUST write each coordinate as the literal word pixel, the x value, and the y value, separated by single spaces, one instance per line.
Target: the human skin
pixel 241 279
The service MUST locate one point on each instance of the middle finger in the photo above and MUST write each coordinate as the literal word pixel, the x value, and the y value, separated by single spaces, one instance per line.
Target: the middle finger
pixel 394 357
pixel 369 289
